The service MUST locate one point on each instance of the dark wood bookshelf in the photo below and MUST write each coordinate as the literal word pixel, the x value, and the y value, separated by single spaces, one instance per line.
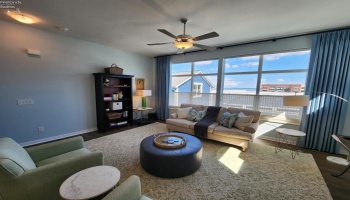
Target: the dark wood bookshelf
pixel 104 89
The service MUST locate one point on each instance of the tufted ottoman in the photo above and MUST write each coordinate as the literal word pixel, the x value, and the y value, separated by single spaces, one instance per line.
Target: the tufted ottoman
pixel 171 163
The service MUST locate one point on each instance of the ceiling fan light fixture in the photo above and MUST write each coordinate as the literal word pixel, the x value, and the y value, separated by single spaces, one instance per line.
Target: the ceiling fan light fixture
pixel 17 15
pixel 183 45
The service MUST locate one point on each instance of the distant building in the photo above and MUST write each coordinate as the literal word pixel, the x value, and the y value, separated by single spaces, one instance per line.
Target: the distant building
pixel 201 84
pixel 283 88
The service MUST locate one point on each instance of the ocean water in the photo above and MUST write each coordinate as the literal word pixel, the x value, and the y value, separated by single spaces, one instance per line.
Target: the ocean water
pixel 240 89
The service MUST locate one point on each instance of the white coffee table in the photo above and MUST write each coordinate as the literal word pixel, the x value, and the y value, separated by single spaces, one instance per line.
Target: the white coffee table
pixel 90 183
pixel 282 136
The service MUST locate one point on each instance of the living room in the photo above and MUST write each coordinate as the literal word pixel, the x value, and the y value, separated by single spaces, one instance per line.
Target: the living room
pixel 60 80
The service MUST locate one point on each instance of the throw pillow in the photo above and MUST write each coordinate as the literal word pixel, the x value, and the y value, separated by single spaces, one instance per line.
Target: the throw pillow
pixel 227 119
pixel 192 115
pixel 182 113
pixel 243 121
pixel 241 115
pixel 200 115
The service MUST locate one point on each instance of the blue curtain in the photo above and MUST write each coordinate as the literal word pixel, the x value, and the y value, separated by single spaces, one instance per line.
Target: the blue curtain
pixel 162 86
pixel 328 73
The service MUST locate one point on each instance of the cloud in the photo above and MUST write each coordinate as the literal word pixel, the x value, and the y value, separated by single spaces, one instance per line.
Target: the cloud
pixel 280 80
pixel 247 64
pixel 250 58
pixel 263 80
pixel 206 62
pixel 271 57
pixel 231 66
pixel 250 64
pixel 231 83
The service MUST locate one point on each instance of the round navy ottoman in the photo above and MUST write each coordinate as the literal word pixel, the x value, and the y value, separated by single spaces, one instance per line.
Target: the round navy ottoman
pixel 171 163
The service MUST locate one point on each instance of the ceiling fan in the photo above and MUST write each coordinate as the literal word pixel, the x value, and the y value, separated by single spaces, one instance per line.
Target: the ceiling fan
pixel 184 41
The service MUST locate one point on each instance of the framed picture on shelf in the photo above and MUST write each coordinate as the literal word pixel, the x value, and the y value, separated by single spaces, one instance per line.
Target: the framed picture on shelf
pixel 140 84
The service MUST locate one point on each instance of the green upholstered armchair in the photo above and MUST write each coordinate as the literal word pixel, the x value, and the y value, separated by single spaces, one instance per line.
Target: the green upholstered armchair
pixel 128 190
pixel 37 172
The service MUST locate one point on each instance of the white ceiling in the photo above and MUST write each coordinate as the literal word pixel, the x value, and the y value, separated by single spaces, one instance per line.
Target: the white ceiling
pixel 131 24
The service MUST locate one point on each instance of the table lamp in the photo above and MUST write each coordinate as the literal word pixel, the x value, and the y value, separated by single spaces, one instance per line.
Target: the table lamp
pixel 144 94
pixel 297 100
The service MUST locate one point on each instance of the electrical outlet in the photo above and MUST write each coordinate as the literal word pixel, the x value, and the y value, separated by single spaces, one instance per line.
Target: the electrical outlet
pixel 22 102
pixel 41 129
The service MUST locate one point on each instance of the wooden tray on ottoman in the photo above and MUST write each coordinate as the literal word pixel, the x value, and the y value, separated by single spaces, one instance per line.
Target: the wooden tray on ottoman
pixel 169 141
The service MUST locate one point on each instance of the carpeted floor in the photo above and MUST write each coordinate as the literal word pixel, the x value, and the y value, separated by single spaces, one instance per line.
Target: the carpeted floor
pixel 226 172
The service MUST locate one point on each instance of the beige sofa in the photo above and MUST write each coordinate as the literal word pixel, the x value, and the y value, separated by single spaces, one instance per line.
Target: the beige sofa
pixel 217 132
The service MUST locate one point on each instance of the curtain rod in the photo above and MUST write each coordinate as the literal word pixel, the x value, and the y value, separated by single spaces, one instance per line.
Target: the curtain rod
pixel 266 40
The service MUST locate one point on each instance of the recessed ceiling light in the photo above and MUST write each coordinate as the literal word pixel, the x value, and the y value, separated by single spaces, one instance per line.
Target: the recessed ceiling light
pixel 17 15
pixel 65 29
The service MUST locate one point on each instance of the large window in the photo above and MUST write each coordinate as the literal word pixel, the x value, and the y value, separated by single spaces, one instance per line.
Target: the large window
pixel 194 83
pixel 240 84
pixel 284 73
pixel 256 82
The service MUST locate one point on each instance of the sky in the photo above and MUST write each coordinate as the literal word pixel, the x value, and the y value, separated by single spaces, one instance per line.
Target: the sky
pixel 271 62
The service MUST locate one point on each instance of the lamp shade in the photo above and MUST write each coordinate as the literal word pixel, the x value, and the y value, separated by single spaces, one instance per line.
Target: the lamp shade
pixel 183 45
pixel 144 93
pixel 298 100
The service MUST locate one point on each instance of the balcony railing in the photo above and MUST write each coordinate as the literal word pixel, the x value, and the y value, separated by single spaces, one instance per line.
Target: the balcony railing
pixel 268 105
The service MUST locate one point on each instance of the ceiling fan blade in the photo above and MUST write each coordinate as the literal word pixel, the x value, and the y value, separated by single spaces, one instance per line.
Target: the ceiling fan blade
pixel 167 33
pixel 179 51
pixel 159 43
pixel 206 36
pixel 204 47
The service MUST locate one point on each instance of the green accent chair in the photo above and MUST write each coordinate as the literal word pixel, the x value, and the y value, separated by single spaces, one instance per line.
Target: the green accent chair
pixel 128 190
pixel 37 172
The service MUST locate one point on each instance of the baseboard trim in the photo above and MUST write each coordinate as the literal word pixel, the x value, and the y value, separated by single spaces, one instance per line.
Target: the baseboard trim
pixel 49 139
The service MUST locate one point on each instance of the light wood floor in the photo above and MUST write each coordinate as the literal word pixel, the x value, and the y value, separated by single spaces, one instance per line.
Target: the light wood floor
pixel 338 186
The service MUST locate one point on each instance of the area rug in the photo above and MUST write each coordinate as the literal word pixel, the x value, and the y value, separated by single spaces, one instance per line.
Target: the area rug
pixel 226 172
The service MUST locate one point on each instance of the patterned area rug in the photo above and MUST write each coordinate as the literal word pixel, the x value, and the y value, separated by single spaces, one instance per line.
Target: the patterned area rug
pixel 226 172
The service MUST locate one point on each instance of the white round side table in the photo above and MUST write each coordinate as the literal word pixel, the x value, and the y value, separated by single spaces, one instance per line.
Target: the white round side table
pixel 90 183
pixel 282 135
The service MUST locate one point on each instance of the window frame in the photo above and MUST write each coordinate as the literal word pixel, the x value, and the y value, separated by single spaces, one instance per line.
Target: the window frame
pixel 260 72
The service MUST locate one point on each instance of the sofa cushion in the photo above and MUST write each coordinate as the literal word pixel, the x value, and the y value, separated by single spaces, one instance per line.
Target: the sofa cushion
pixel 65 156
pixel 194 106
pixel 254 113
pixel 179 122
pixel 11 150
pixel 182 113
pixel 210 128
pixel 232 133
pixel 227 119
pixel 242 121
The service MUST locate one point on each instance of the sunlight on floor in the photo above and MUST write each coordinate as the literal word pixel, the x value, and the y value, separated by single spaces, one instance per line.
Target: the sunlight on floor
pixel 266 127
pixel 231 160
